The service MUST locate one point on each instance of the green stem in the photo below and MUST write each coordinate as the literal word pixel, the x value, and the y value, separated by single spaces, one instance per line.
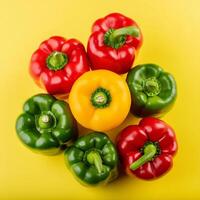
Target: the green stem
pixel 152 86
pixel 95 159
pixel 149 152
pixel 100 98
pixel 117 37
pixel 128 30
pixel 45 121
pixel 56 60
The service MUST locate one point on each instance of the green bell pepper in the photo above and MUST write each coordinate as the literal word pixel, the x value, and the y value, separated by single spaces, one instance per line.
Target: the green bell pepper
pixel 93 159
pixel 153 91
pixel 46 125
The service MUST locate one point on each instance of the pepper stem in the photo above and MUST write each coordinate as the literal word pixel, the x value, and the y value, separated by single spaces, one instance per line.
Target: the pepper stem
pixel 56 60
pixel 128 30
pixel 100 98
pixel 152 86
pixel 45 121
pixel 95 159
pixel 116 37
pixel 149 152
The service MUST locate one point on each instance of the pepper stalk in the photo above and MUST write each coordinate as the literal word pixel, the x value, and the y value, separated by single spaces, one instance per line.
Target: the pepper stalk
pixel 95 159
pixel 117 37
pixel 149 152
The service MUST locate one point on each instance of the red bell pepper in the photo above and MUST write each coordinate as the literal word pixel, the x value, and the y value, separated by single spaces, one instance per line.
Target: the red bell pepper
pixel 146 149
pixel 57 63
pixel 113 43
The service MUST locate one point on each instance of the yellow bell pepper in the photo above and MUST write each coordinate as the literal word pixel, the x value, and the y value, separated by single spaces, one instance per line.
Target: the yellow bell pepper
pixel 100 100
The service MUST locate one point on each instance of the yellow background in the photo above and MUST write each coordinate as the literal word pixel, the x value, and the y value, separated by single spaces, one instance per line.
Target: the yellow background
pixel 171 30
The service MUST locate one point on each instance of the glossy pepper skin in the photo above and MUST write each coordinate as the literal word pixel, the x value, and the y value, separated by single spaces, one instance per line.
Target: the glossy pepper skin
pixel 46 124
pixel 147 149
pixel 93 159
pixel 57 63
pixel 100 100
pixel 114 42
pixel 153 91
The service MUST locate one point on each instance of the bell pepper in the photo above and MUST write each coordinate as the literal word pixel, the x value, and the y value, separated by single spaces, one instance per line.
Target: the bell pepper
pixel 57 63
pixel 114 42
pixel 100 100
pixel 153 91
pixel 147 149
pixel 93 159
pixel 46 125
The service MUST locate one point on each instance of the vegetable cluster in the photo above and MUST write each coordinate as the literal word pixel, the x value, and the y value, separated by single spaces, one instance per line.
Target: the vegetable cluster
pixel 100 99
